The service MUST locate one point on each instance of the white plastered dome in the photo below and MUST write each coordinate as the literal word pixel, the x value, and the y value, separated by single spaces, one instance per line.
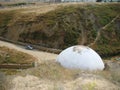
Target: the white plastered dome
pixel 80 57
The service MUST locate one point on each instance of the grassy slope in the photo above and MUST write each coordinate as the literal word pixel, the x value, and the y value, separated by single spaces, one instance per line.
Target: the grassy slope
pixel 15 57
pixel 66 26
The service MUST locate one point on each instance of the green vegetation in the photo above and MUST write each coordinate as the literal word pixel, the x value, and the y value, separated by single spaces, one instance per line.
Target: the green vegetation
pixel 0 5
pixel 5 18
pixel 109 41
pixel 9 71
pixel 89 86
pixel 17 4
pixel 67 26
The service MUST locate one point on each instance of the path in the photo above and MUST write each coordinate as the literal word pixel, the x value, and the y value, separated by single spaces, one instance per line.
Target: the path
pixel 39 55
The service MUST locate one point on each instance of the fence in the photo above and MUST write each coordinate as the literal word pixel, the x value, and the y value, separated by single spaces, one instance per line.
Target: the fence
pixel 16 66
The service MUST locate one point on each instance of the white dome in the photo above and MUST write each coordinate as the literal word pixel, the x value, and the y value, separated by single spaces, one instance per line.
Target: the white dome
pixel 80 57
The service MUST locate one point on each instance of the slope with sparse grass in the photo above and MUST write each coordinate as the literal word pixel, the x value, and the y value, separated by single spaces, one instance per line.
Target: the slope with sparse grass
pixel 65 25
pixel 60 28
pixel 51 76
pixel 11 56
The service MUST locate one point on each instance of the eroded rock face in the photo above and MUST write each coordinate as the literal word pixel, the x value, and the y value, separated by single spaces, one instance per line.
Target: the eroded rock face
pixel 80 57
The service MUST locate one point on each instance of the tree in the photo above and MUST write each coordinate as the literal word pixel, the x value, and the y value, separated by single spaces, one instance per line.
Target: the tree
pixel 99 1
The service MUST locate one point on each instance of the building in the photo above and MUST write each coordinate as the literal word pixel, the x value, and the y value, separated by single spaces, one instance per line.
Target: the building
pixel 80 57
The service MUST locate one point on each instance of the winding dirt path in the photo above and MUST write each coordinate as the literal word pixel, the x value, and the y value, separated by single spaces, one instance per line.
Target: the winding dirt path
pixel 39 55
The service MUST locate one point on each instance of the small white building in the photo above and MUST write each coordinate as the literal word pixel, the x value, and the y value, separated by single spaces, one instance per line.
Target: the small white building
pixel 90 0
pixel 80 57
pixel 78 0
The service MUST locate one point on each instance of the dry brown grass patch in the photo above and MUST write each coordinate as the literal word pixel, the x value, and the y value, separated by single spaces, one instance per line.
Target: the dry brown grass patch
pixel 13 56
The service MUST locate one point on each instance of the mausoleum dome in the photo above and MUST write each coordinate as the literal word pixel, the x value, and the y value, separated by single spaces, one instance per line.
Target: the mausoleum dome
pixel 80 57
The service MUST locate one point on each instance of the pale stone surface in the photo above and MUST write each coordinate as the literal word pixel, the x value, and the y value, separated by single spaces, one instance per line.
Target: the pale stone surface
pixel 80 57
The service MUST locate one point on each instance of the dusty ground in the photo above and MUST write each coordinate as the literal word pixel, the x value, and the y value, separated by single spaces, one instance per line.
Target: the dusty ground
pixel 91 82
pixel 51 76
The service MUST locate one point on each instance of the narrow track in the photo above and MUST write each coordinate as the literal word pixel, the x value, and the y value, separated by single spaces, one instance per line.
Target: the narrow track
pixel 39 55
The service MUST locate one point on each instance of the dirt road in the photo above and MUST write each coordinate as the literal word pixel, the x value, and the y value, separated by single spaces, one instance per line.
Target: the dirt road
pixel 39 55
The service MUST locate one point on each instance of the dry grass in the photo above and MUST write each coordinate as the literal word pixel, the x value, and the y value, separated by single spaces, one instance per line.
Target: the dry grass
pixel 49 75
pixel 52 70
pixel 13 56
pixel 112 72
pixel 52 76
pixel 41 7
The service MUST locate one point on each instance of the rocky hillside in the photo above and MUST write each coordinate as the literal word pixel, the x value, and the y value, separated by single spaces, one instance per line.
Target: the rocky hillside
pixel 95 25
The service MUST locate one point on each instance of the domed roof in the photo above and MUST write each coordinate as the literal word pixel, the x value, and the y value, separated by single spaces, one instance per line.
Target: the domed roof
pixel 80 57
